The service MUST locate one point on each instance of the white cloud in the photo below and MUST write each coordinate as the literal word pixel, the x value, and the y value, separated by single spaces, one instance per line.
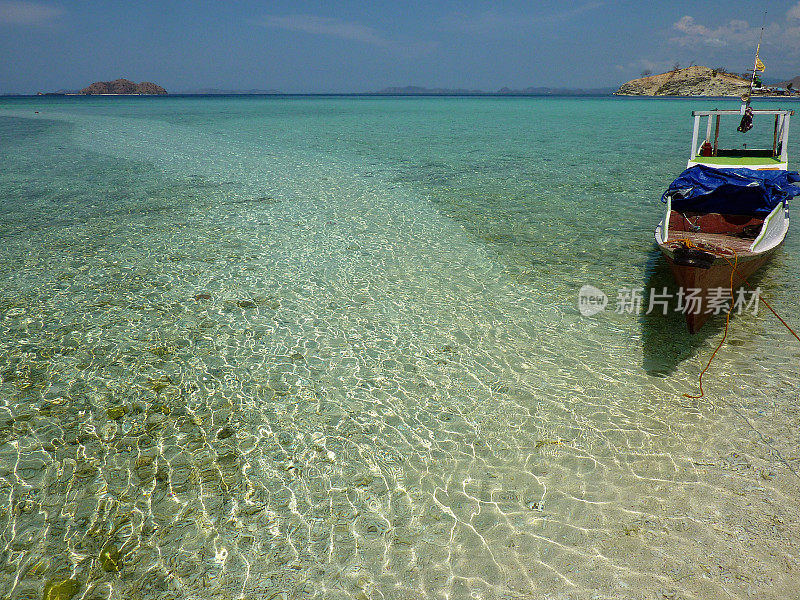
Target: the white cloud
pixel 497 22
pixel 642 64
pixel 484 22
pixel 22 12
pixel 736 34
pixel 346 30
pixel 327 26
pixel 693 33
pixel 688 26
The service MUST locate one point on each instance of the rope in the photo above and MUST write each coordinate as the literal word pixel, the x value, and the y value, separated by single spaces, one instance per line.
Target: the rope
pixel 690 244
pixel 727 323
pixel 772 310
pixel 695 226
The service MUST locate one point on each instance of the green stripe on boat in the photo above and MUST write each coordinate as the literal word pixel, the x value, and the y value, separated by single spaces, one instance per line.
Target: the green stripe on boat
pixel 737 160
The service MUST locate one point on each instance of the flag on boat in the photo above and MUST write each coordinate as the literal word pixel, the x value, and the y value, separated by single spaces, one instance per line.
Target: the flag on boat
pixel 759 64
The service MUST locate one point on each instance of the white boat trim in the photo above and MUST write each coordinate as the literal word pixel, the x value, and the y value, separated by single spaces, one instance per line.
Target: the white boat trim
pixel 781 166
pixel 773 230
pixel 664 225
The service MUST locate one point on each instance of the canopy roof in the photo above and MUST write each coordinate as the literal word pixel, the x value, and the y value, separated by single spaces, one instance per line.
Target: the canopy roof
pixel 731 191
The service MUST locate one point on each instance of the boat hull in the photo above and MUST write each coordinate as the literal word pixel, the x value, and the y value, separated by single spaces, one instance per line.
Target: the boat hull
pixel 718 275
pixel 703 260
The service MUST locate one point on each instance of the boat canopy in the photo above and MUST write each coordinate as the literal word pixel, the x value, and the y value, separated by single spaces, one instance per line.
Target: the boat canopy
pixel 761 154
pixel 731 191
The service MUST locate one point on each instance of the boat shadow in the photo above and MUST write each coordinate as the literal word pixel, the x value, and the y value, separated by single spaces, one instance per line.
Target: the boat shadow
pixel 666 341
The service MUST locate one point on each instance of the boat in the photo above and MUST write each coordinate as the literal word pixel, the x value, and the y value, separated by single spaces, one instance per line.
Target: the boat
pixel 721 225
pixel 727 213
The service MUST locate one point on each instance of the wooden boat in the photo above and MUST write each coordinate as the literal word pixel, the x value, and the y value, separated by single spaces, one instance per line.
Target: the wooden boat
pixel 732 224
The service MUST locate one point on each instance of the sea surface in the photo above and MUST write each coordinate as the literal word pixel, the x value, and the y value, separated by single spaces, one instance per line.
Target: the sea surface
pixel 330 347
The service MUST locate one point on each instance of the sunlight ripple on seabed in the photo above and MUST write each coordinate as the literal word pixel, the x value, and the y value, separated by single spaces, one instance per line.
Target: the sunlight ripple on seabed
pixel 284 351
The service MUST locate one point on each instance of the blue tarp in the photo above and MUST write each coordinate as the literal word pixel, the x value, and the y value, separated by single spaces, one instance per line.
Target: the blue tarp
pixel 731 191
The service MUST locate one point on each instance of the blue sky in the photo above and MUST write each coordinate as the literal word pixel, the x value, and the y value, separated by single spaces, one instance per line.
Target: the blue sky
pixel 307 47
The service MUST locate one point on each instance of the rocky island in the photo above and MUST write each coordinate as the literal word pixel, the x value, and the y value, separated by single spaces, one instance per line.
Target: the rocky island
pixel 691 81
pixel 122 86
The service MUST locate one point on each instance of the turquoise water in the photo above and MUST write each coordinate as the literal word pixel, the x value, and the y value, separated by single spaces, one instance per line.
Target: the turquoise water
pixel 330 348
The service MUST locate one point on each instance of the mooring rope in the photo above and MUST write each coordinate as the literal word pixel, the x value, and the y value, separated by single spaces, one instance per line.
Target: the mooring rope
pixel 691 244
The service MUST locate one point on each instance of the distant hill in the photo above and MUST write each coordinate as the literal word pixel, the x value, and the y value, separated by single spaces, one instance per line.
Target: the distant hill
pixel 548 91
pixel 222 92
pixel 123 86
pixel 691 81
pixel 795 81
pixel 414 90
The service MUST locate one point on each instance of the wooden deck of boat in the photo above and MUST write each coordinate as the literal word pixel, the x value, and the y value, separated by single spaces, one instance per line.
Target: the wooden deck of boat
pixel 740 245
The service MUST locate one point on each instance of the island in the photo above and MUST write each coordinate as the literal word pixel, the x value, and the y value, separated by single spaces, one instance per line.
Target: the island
pixel 696 81
pixel 414 90
pixel 122 87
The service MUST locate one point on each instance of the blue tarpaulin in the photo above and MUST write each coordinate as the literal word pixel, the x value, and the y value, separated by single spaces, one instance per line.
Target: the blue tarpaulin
pixel 731 191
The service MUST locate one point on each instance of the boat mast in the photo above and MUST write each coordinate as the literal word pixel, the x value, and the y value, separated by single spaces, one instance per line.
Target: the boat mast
pixel 746 102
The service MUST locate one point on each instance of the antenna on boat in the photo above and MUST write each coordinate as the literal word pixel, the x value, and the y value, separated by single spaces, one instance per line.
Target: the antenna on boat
pixel 746 111
pixel 757 64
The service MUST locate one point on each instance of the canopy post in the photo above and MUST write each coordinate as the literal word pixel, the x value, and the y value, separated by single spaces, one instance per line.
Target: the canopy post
pixel 785 140
pixel 775 138
pixel 708 129
pixel 716 136
pixel 694 137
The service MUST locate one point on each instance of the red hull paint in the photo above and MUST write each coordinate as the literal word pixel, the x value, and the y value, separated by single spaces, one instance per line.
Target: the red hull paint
pixel 717 276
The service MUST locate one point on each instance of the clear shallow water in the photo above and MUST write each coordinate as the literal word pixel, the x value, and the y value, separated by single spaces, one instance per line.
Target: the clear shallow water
pixel 329 347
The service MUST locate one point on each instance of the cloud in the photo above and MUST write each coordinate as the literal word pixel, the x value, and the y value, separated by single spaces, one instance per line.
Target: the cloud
pixel 492 22
pixel 22 12
pixel 346 30
pixel 688 26
pixel 642 64
pixel 693 33
pixel 737 34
